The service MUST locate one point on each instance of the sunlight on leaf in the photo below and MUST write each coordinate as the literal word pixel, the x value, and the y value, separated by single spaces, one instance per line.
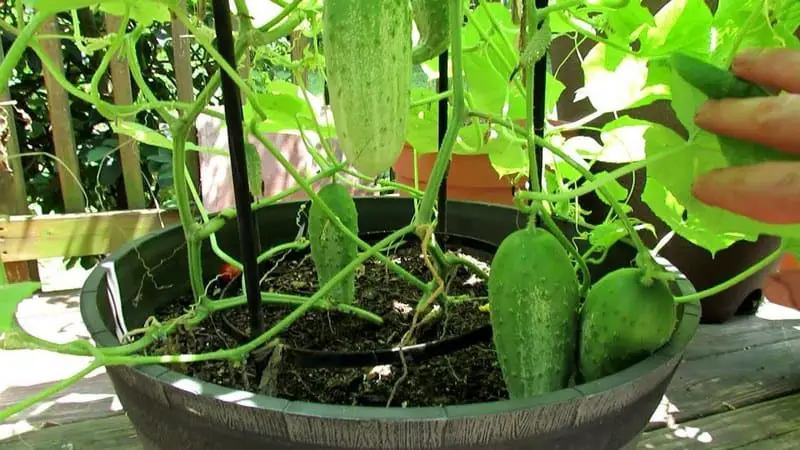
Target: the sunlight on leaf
pixel 614 80
pixel 668 192
pixel 623 140
pixel 680 25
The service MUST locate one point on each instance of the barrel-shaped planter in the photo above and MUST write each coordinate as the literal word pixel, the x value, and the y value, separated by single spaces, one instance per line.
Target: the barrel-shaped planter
pixel 172 411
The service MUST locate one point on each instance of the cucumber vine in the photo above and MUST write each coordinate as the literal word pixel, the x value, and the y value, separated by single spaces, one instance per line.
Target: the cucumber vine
pixel 565 17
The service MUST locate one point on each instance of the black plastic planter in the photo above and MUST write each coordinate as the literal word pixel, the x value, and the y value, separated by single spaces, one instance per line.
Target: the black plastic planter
pixel 173 411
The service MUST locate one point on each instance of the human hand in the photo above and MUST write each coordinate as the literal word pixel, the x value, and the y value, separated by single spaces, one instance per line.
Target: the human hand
pixel 768 192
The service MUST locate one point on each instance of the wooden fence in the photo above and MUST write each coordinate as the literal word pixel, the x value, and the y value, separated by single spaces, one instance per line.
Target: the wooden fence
pixel 24 238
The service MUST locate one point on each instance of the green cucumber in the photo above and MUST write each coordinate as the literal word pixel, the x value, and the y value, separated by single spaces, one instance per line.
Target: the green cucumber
pixel 331 249
pixel 433 23
pixel 367 49
pixel 623 322
pixel 533 303
pixel 717 83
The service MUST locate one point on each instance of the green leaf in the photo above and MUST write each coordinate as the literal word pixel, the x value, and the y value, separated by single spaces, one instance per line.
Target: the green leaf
pixel 516 101
pixel 607 234
pixel 486 85
pixel 53 6
pixel 615 80
pixel 253 161
pixel 680 25
pixel 629 22
pixel 12 295
pixel 768 28
pixel 685 99
pixel 623 140
pixel 506 153
pixel 152 137
pixel 98 153
pixel 668 193
pixel 144 11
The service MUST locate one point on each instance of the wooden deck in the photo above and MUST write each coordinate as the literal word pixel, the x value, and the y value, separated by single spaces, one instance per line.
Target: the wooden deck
pixel 738 388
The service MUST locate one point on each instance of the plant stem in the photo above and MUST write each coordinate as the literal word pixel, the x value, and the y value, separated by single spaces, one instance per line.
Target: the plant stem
pixel 432 98
pixel 284 299
pixel 47 392
pixel 425 213
pixel 335 219
pixel 637 241
pixel 17 49
pixel 769 259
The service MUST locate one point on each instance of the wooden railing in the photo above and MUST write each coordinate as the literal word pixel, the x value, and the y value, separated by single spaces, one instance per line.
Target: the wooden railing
pixel 24 237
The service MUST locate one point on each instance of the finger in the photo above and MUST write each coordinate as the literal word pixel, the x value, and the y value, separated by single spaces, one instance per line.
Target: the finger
pixel 771 121
pixel 768 192
pixel 783 288
pixel 776 67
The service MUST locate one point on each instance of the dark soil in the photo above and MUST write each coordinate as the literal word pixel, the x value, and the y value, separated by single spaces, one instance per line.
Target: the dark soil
pixel 466 376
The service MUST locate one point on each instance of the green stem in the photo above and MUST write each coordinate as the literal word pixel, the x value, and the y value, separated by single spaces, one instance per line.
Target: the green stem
pixel 293 172
pixel 47 392
pixel 19 44
pixel 425 213
pixel 295 300
pixel 734 280
pixel 637 241
pixel 556 231
pixel 431 99
pixel 188 223
pixel 294 245
pixel 119 39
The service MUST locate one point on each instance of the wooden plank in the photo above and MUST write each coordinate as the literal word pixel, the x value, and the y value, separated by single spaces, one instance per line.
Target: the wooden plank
pixel 111 433
pixel 788 441
pixel 181 62
pixel 61 123
pixel 755 425
pixel 742 333
pixel 733 380
pixel 29 237
pixel 12 184
pixel 128 147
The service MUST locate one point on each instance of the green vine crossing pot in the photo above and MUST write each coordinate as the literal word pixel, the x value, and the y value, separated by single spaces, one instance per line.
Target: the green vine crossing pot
pixel 170 410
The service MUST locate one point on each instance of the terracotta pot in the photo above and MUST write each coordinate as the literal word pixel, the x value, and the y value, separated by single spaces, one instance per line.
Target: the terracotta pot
pixel 470 178
pixel 788 262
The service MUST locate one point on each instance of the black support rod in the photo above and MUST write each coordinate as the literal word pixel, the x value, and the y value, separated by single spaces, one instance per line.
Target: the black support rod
pixel 233 120
pixel 442 86
pixel 539 90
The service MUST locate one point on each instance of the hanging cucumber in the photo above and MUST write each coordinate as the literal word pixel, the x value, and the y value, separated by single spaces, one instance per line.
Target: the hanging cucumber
pixel 533 305
pixel 623 322
pixel 717 83
pixel 432 18
pixel 367 49
pixel 331 249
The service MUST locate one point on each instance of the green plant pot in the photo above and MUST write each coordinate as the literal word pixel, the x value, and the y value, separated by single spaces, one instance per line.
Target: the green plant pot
pixel 172 411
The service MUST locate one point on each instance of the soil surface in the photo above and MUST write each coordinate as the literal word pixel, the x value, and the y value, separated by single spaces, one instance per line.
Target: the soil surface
pixel 466 376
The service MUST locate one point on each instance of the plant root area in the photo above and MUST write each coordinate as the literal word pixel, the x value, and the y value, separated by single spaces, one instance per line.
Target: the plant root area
pixel 467 376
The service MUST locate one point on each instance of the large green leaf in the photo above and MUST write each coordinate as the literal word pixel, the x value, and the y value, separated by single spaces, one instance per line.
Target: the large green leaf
pixel 486 86
pixel 615 80
pixel 680 25
pixel 668 193
pixel 12 295
pixel 770 25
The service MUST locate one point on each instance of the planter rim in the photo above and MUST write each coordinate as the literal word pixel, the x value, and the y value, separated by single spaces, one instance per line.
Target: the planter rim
pixel 688 320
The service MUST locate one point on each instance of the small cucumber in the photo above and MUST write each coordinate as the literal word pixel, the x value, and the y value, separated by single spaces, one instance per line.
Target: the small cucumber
pixel 331 249
pixel 623 322
pixel 717 83
pixel 433 23
pixel 533 304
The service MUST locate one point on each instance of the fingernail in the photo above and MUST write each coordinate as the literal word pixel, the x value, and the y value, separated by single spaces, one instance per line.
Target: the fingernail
pixel 704 111
pixel 747 57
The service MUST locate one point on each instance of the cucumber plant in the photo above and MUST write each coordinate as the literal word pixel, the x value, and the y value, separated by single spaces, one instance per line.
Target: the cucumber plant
pixel 552 323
